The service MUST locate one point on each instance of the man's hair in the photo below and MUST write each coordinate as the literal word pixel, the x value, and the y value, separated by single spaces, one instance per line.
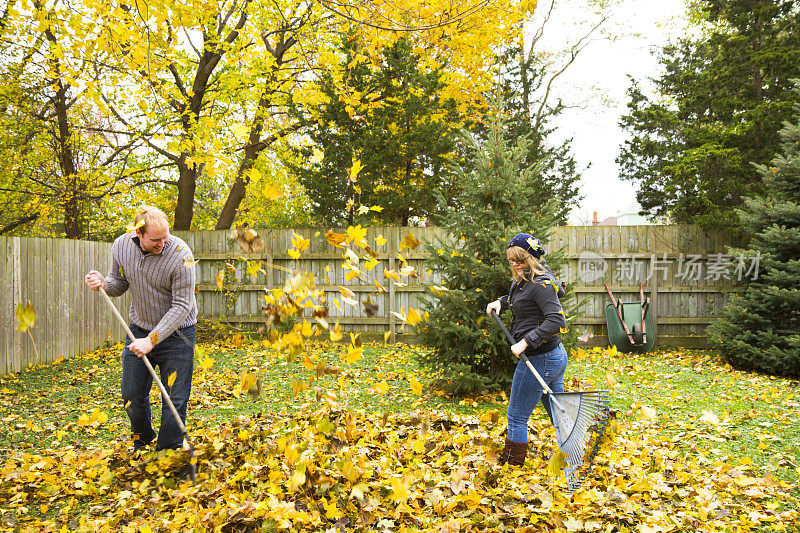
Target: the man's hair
pixel 150 217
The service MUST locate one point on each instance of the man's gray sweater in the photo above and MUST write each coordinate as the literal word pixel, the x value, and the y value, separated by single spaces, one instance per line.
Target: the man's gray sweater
pixel 162 284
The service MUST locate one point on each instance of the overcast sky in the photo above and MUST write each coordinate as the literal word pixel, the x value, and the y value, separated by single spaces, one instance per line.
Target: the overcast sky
pixel 596 84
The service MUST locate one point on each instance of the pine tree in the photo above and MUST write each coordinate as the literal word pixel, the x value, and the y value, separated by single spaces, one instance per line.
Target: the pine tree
pixel 759 329
pixel 469 352
pixel 716 110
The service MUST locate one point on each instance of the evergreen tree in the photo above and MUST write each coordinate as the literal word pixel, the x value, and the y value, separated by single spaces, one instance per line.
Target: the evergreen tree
pixel 521 80
pixel 469 351
pixel 760 328
pixel 716 110
pixel 400 127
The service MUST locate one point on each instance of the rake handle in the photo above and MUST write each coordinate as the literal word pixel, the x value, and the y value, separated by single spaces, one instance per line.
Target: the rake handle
pixel 545 388
pixel 164 393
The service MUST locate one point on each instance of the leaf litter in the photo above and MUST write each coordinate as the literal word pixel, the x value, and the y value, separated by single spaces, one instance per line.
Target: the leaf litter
pixel 325 464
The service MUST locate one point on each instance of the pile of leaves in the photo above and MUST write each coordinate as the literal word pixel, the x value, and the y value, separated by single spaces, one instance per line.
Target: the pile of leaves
pixel 331 467
pixel 319 447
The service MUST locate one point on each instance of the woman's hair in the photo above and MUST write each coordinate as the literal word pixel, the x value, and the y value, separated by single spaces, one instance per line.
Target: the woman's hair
pixel 149 217
pixel 519 255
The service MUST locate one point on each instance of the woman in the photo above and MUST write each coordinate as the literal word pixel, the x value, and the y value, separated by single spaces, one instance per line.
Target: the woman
pixel 537 320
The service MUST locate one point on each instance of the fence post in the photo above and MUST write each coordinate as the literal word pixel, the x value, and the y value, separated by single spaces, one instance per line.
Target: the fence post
pixel 394 241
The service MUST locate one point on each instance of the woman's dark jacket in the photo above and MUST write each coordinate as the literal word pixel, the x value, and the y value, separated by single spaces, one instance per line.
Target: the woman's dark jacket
pixel 538 316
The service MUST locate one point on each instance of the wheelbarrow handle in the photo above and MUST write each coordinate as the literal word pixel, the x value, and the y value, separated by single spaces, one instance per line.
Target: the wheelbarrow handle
pixel 545 388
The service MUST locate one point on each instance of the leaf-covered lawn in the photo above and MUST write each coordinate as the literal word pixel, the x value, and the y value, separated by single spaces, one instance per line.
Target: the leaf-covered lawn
pixel 370 446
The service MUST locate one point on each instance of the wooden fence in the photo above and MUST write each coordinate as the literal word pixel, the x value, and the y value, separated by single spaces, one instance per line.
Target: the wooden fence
pixel 686 274
pixel 70 318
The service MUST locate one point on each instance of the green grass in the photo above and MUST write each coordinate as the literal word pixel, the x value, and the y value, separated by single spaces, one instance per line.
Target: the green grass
pixel 40 407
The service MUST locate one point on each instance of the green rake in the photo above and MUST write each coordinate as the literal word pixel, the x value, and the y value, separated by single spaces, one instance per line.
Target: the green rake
pixel 579 418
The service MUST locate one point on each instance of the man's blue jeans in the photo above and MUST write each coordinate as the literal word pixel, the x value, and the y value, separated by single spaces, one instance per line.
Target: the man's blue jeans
pixel 173 354
pixel 526 390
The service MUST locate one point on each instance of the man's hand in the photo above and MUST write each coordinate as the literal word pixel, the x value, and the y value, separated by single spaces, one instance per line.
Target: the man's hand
pixel 94 280
pixel 519 347
pixel 141 346
pixel 495 305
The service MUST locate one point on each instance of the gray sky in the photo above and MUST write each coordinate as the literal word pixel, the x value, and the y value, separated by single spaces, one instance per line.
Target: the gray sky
pixel 595 85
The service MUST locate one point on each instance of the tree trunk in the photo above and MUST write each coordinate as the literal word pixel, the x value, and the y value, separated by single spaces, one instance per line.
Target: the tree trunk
pixel 187 183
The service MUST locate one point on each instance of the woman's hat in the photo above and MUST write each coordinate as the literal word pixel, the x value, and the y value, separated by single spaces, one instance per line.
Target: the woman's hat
pixel 529 243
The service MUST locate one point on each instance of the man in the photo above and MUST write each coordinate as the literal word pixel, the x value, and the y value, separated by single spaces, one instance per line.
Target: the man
pixel 158 268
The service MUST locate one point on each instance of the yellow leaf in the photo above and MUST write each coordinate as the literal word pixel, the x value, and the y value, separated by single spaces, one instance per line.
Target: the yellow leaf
pixel 300 243
pixel 648 412
pixel 355 168
pixel 317 155
pixel 294 254
pixel 399 489
pixel 336 239
pixel 557 463
pixel 308 363
pixel 26 318
pixel 376 208
pixel 272 191
pixel 413 316
pixel 380 240
pixel 220 279
pixel 352 274
pixel 253 268
pixel 246 381
pixel 416 386
pixel 357 235
pixel 386 337
pixel 610 380
pixel 171 378
pixel 336 333
pixel 354 354
pixel 372 263
pixel 206 363
pixel 409 241
pixel 381 388
pixel 709 417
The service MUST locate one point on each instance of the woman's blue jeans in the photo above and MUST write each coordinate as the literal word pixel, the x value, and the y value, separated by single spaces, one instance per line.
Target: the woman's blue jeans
pixel 173 354
pixel 526 391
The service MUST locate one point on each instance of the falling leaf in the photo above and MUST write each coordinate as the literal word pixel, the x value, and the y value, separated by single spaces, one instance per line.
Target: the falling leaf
pixel 336 239
pixel 357 235
pixel 380 240
pixel 317 155
pixel 381 388
pixel 26 317
pixel 272 191
pixel 220 279
pixel 355 168
pixel 409 241
pixel 171 379
pixel 416 386
pixel 413 317
pixel 557 463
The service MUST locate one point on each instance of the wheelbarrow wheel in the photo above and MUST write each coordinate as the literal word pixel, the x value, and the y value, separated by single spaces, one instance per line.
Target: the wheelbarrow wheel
pixel 638 333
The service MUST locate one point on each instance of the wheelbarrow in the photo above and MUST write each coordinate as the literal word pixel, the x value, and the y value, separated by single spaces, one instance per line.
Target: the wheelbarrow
pixel 630 325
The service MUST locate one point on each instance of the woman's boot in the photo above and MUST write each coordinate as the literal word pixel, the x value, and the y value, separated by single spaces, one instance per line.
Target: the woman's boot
pixel 513 453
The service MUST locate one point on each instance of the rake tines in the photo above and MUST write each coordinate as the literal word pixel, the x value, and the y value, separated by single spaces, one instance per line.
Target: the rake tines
pixel 580 430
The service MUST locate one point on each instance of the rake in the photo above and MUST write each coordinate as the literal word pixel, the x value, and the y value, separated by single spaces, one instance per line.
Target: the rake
pixel 164 393
pixel 579 418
